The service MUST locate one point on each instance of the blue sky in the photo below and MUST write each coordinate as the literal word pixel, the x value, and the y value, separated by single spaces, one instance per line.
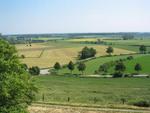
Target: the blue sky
pixel 72 16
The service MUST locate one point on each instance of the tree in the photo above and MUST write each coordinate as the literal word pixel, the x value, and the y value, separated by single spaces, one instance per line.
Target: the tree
pixel 87 53
pixel 25 66
pixel 16 88
pixel 103 68
pixel 81 67
pixel 119 68
pixel 35 70
pixel 110 50
pixel 70 66
pixel 138 67
pixel 57 66
pixel 142 49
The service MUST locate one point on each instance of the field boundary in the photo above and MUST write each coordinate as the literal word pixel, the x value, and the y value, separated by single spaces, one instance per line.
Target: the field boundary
pixel 93 108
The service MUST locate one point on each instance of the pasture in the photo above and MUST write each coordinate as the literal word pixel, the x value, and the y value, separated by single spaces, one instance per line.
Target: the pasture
pixel 93 65
pixel 104 92
pixel 143 60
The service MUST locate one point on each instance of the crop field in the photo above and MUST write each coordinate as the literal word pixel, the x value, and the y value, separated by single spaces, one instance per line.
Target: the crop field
pixel 130 42
pixel 83 39
pixel 46 55
pixel 91 91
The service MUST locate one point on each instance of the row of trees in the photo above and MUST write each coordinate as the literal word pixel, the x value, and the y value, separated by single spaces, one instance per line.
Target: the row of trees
pixel 71 66
pixel 119 67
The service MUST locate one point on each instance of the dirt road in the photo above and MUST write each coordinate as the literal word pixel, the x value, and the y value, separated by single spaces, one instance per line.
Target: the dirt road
pixel 69 109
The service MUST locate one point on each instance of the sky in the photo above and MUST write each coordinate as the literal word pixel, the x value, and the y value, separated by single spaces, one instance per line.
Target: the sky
pixel 74 16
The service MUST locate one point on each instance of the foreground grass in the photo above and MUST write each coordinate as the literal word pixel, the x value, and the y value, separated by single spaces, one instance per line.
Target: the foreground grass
pixel 91 91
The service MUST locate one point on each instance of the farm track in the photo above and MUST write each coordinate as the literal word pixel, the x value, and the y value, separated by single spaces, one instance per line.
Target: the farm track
pixel 39 108
pixel 34 49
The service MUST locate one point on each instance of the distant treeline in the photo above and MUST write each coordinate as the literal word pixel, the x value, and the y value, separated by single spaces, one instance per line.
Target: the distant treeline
pixel 69 35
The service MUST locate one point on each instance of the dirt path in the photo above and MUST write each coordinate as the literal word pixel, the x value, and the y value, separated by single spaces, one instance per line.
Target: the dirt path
pixel 69 109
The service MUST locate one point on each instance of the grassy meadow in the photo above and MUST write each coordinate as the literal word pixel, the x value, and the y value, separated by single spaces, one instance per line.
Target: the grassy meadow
pixel 91 91
pixel 143 60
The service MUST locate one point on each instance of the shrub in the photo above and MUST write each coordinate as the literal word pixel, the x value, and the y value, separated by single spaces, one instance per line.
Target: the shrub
pixel 117 75
pixel 142 104
pixel 130 58
pixel 22 56
pixel 24 66
pixel 57 66
pixel 35 70
pixel 127 75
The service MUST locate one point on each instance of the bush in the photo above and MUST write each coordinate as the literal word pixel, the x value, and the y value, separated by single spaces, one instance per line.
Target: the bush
pixel 22 56
pixel 142 104
pixel 130 58
pixel 35 70
pixel 127 75
pixel 117 75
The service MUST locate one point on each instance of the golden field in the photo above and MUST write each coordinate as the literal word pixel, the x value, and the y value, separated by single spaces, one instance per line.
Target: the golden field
pixel 42 56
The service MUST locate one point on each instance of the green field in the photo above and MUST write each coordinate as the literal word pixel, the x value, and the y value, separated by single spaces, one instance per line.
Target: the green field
pixel 143 60
pixel 107 91
pixel 93 65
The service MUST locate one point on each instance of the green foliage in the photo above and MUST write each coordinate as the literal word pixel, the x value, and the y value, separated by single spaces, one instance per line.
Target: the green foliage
pixel 142 103
pixel 70 66
pixel 35 70
pixel 128 37
pixel 103 68
pixel 81 67
pixel 120 67
pixel 22 56
pixel 130 58
pixel 57 66
pixel 142 49
pixel 117 74
pixel 24 66
pixel 110 50
pixel 87 53
pixel 16 88
pixel 138 67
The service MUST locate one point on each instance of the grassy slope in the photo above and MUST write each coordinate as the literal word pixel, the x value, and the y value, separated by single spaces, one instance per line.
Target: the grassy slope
pixel 143 60
pixel 94 64
pixel 83 90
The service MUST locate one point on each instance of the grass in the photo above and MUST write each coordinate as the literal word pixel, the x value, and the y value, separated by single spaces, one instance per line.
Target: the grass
pixel 143 60
pixel 93 65
pixel 60 51
pixel 130 42
pixel 106 91
pixel 83 39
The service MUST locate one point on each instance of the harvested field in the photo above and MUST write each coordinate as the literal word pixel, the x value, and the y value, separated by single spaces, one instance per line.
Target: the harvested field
pixel 49 56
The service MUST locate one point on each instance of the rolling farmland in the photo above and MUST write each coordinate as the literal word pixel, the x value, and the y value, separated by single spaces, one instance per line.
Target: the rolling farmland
pixel 49 55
